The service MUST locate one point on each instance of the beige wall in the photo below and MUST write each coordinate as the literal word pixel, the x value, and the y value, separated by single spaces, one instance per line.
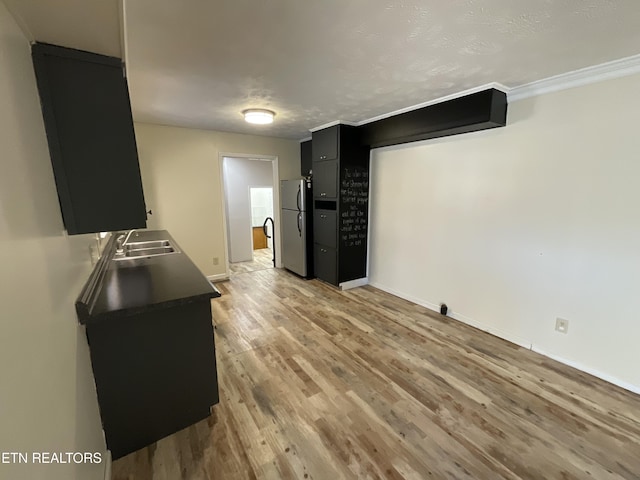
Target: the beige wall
pixel 517 226
pixel 47 394
pixel 182 182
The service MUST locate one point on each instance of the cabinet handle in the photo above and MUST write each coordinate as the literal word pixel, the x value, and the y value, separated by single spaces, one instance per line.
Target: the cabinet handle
pixel 323 194
pixel 323 216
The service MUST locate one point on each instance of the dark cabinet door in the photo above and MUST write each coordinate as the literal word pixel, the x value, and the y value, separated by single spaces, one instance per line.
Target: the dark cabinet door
pixel 155 373
pixel 325 179
pixel 326 264
pixel 305 158
pixel 325 144
pixel 87 116
pixel 325 227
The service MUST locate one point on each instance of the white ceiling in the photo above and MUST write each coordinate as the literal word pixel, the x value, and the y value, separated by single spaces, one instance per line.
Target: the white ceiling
pixel 92 25
pixel 198 63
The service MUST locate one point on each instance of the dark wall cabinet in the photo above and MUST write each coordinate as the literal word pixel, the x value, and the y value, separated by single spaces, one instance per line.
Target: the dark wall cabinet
pixel 305 158
pixel 87 117
pixel 325 144
pixel 341 203
pixel 325 179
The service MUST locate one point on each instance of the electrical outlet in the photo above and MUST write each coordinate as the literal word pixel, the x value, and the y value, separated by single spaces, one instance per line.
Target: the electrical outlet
pixel 562 325
pixel 216 260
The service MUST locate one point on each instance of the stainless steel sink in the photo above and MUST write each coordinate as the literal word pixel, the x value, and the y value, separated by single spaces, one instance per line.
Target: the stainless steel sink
pixel 151 248
pixel 149 252
pixel 146 245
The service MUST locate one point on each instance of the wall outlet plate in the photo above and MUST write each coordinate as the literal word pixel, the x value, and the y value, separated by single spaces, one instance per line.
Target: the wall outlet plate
pixel 562 325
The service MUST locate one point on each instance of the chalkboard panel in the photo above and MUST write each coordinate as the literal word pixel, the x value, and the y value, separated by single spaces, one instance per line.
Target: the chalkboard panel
pixel 354 212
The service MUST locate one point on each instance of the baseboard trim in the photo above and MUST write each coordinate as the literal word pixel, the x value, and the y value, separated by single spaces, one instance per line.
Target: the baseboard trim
pixel 359 282
pixel 521 342
pixel 589 370
pixel 220 277
pixel 107 465
pixel 510 338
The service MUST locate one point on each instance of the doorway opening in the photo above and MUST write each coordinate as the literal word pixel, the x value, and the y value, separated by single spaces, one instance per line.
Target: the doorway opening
pixel 261 199
pixel 250 185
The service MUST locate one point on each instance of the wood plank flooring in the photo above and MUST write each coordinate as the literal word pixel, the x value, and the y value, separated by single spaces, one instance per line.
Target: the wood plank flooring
pixel 262 259
pixel 321 384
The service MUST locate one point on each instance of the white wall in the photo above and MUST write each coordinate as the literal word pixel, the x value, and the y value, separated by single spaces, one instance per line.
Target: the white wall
pixel 516 226
pixel 47 394
pixel 239 175
pixel 261 205
pixel 182 182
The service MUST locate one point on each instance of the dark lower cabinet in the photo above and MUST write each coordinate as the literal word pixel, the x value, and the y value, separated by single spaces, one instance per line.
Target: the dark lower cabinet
pixel 324 227
pixel 326 263
pixel 155 373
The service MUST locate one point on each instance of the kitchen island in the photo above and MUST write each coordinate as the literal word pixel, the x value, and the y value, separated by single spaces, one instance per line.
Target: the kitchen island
pixel 147 314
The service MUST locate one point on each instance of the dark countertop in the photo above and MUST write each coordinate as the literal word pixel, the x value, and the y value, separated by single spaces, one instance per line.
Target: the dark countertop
pixel 126 287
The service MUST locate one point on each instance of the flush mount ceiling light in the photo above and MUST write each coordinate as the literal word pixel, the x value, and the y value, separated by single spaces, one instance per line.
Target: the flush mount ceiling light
pixel 259 116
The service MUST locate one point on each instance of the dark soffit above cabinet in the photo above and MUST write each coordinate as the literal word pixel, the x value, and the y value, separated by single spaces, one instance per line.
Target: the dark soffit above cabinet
pixel 477 111
pixel 471 113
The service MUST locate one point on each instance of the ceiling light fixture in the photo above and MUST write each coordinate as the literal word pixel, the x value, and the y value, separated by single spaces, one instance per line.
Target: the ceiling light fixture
pixel 259 116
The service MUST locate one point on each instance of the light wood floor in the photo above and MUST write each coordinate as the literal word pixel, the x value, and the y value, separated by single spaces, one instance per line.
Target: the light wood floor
pixel 262 259
pixel 321 384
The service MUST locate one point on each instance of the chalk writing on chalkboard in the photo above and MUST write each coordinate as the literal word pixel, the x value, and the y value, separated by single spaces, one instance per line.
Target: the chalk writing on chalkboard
pixel 354 199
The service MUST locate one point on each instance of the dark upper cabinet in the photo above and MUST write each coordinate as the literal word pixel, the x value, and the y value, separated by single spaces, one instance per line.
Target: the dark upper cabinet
pixel 325 179
pixel 87 117
pixel 305 158
pixel 325 144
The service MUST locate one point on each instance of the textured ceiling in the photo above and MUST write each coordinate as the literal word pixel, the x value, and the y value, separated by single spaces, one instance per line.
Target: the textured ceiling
pixel 198 63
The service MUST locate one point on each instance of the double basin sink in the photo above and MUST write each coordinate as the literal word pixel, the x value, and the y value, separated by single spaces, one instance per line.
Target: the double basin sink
pixel 151 248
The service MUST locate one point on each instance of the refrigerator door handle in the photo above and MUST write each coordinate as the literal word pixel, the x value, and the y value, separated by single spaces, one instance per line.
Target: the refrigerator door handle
pixel 299 227
pixel 298 199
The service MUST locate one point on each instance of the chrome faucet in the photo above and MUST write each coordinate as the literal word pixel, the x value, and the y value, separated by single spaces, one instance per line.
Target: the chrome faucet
pixel 122 240
pixel 128 235
pixel 120 244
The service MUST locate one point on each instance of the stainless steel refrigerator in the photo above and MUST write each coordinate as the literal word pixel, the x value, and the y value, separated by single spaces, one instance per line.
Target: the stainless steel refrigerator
pixel 297 227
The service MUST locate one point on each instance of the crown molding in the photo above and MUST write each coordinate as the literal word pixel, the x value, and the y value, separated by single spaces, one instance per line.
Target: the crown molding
pixel 331 124
pixel 584 76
